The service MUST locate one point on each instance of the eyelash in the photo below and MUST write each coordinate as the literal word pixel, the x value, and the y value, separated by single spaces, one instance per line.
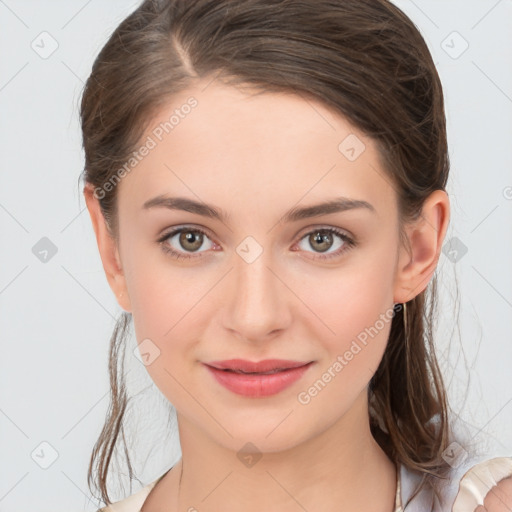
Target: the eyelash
pixel 349 243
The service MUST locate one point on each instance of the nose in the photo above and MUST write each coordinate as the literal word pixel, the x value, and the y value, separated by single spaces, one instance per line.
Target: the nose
pixel 257 304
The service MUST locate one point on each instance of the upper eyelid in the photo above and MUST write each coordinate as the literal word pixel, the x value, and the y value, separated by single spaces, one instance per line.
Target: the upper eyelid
pixel 304 231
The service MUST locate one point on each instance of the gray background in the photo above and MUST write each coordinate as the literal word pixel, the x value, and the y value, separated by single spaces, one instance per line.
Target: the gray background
pixel 56 316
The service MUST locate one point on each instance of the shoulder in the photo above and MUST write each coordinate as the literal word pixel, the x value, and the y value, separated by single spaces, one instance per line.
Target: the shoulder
pixel 132 503
pixel 486 487
pixel 473 483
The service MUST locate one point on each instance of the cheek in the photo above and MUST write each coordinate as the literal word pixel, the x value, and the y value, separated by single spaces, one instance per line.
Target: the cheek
pixel 166 306
pixel 162 306
pixel 351 355
pixel 354 309
pixel 349 300
pixel 160 291
pixel 164 309
pixel 171 305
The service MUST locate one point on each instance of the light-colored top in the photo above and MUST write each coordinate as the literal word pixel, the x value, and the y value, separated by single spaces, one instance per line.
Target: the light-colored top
pixel 464 492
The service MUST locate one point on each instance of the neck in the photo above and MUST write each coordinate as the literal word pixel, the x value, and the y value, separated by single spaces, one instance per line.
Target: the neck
pixel 342 468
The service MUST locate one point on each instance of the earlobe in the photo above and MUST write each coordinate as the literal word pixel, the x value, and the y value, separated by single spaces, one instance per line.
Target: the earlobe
pixel 108 248
pixel 417 265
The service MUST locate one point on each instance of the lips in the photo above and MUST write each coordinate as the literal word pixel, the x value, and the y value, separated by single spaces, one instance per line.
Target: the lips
pixel 267 366
pixel 257 379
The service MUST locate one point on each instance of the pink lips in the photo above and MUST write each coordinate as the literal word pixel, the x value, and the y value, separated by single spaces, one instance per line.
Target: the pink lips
pixel 257 379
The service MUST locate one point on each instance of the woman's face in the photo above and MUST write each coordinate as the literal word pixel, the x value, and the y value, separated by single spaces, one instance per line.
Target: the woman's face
pixel 259 283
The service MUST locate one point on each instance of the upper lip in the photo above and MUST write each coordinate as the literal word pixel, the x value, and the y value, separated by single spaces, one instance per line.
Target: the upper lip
pixel 266 365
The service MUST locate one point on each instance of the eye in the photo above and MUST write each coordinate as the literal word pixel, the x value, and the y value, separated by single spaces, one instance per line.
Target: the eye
pixel 188 240
pixel 322 239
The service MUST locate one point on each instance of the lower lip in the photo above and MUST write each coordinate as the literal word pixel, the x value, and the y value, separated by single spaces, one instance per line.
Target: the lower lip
pixel 258 385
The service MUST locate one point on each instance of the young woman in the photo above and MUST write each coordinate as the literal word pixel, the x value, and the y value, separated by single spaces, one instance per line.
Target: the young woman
pixel 266 181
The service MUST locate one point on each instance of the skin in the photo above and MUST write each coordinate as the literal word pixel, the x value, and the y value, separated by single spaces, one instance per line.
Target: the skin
pixel 499 498
pixel 256 157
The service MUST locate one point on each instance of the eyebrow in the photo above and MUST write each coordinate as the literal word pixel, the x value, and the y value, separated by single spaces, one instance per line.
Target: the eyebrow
pixel 336 205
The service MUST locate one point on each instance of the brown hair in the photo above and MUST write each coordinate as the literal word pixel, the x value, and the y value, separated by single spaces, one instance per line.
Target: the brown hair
pixel 364 59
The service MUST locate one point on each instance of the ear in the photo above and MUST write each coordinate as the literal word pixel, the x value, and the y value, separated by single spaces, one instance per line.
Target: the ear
pixel 416 265
pixel 108 247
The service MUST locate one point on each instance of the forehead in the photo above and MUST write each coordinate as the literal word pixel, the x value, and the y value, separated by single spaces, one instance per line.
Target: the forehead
pixel 215 141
